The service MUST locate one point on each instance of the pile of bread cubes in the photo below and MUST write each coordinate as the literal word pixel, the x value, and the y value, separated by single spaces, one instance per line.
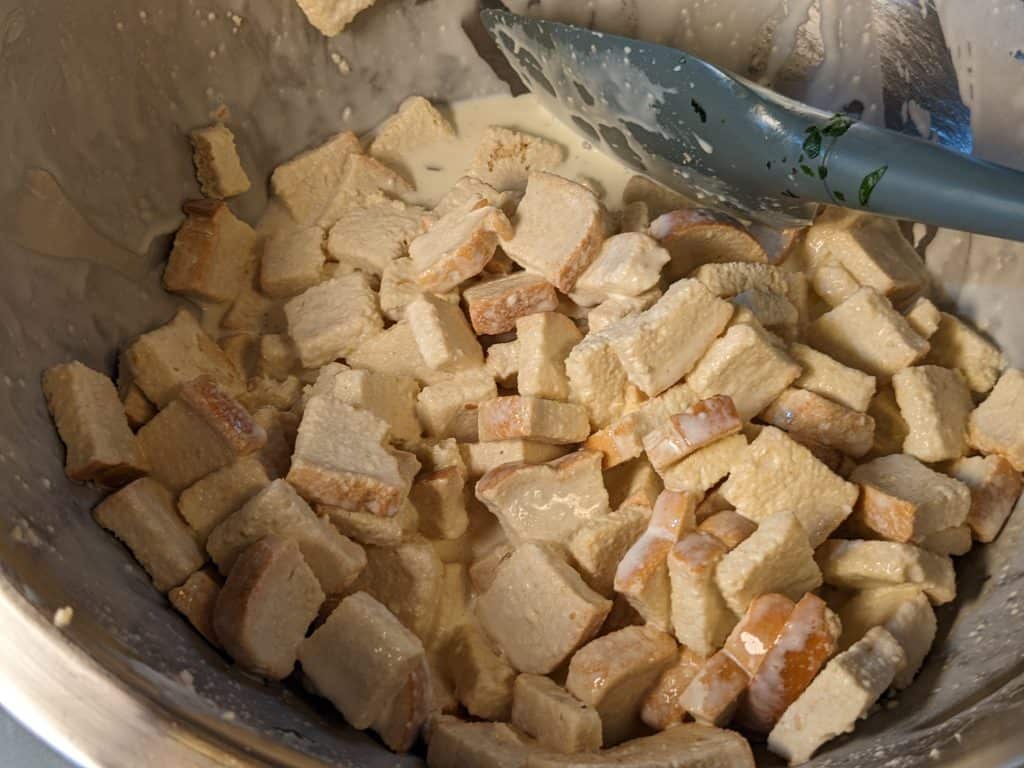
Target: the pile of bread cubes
pixel 544 484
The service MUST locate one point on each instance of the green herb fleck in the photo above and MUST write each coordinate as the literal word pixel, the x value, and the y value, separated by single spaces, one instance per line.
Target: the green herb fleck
pixel 701 113
pixel 812 144
pixel 822 172
pixel 808 171
pixel 839 196
pixel 837 126
pixel 867 186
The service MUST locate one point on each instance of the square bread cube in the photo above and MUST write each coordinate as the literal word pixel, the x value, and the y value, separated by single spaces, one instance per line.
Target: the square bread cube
pixel 305 183
pixel 495 305
pixel 924 317
pixel 481 458
pixel 398 289
pixel 747 367
pixel 935 403
pixel 662 708
pixel 661 345
pixel 770 309
pixel 545 502
pixel 554 717
pixel 332 319
pixel 360 658
pixel 278 510
pixel 865 332
pixel 617 308
pixel 444 337
pixel 597 547
pixel 482 679
pixel 685 433
pixel 92 423
pixel 613 674
pixel 389 397
pixel 543 342
pixel 211 254
pixel 830 378
pixel 372 193
pixel 368 528
pixel 811 418
pixel 727 525
pixel 598 382
pixel 218 168
pixel 458 245
pixel 439 499
pixel 997 425
pixel 408 579
pixel 438 404
pixel 265 607
pixel 505 158
pixel 394 351
pixel 163 360
pixel 142 515
pixel 757 630
pixel 995 488
pixel 903 500
pixel 842 694
pixel 370 235
pixel 779 474
pixel 701 619
pixel 292 262
pixel 956 345
pixel 859 564
pixel 775 558
pixel 201 431
pixel 538 610
pixel 416 123
pixel 341 459
pixel 701 471
pixel 532 418
pixel 208 501
pixel 196 599
pixel 713 695
pixel 833 283
pixel 627 264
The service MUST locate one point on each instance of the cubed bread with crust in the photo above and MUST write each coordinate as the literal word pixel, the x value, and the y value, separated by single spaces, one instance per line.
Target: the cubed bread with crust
pixel 559 229
pixel 404 718
pixel 833 283
pixel 865 332
pixel 617 308
pixel 208 501
pixel 779 474
pixel 92 423
pixel 306 182
pixel 470 188
pixel 292 262
pixel 265 607
pixel 547 712
pixel 503 361
pixel 368 528
pixel 196 599
pixel 925 318
pixel 701 471
pixel 372 232
pixel 757 630
pixel 545 502
pixel 598 381
pixel 211 254
pixel 417 123
pixel 532 418
pixel 443 335
pixel 408 579
pixel 505 158
pixel 218 168
pixel 997 425
pixel 142 515
pixel 809 417
pixel 457 744
pixel 481 458
pixel 728 526
pixel 662 708
pixel 332 319
pixel 995 487
pixel 729 279
pixel 597 547
pixel 954 541
pixel 859 564
pixel 495 305
pixel 956 345
pixel 394 351
pixel 439 499
pixel 389 397
pixel 628 264
pixel 701 619
pixel 538 610
pixel 398 289
pixel 935 403
pixel 696 236
pixel 716 690
pixel 439 403
pixel 830 378
pixel 623 439
pixel 543 342
pixel 482 679
pixel 685 433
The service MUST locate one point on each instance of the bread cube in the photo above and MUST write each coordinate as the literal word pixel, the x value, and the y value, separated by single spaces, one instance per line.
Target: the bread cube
pixel 458 245
pixel 400 724
pixel 332 319
pixel 208 501
pixel 545 502
pixel 775 558
pixel 443 335
pixel 617 308
pixel 746 366
pixel 470 188
pixel 531 418
pixel 201 431
pixel 457 744
pixel 904 501
pixel 830 378
pixel 341 460
pixel 538 610
pixel 440 503
pixel 935 403
pixel 547 712
pixel 505 158
pixel 833 283
pixel 702 470
pixel 726 280
pixel 265 607
pixel 481 458
pixel 874 251
pixel 368 528
pixel 779 474
pixel 417 123
pixel 142 515
pixel 949 541
pixel 700 617
pixel 843 693
pixel 438 404
pixel 395 352
pixel 809 417
pixel 212 251
pixel 728 526
pixel 495 305
pixel 389 397
pixel 659 346
pixel 612 674
pixel 176 353
pixel 628 264
pixel 865 332
pixel 371 232
pixel 956 345
pixel 859 564
pixel 662 707
pixel 277 510
pixel 696 236
pixel 757 630
pixel 806 642
pixel 330 17
pixel 597 547
pixel 137 407
pixel 292 262
pixel 218 168
pixel 482 679
pixel 995 487
pixel 544 341
pixel 598 381
pixel 92 423
pixel 195 599
pixel 687 432
pixel 997 426
pixel 713 695
pixel 770 309
pixel 635 481
pixel 924 317
pixel 503 363
pixel 306 183
pixel 398 289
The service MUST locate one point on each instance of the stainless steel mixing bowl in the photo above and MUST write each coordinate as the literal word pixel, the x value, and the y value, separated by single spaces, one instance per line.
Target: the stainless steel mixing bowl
pixel 95 98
